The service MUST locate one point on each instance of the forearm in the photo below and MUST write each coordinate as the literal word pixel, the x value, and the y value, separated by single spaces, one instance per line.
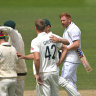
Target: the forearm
pixel 63 54
pixel 37 66
pixel 74 46
pixel 29 57
pixel 37 62
pixel 5 29
pixel 13 34
pixel 64 41
pixel 59 40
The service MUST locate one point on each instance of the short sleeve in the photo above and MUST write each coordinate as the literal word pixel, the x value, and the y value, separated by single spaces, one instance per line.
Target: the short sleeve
pixel 75 34
pixel 34 46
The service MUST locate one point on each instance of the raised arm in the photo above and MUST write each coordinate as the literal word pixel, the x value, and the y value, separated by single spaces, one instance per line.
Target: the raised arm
pixel 11 32
pixel 15 38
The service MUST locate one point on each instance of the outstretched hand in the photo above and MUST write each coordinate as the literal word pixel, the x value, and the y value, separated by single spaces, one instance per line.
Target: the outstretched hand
pixel 20 56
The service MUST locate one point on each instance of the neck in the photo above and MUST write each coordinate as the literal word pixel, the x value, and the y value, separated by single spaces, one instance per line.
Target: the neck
pixel 68 25
pixel 38 32
pixel 2 41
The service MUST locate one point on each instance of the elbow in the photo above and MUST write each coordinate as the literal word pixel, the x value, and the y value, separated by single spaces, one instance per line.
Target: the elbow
pixel 76 44
pixel 64 48
pixel 37 59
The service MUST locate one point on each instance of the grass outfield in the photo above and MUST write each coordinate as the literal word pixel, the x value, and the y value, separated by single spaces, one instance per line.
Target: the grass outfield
pixel 83 14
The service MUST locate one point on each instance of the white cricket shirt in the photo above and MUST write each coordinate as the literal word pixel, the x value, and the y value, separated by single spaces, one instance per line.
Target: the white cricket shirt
pixel 48 52
pixel 8 60
pixel 49 34
pixel 72 33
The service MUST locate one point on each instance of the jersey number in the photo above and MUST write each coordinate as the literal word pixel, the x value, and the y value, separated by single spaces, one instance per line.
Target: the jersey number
pixel 48 54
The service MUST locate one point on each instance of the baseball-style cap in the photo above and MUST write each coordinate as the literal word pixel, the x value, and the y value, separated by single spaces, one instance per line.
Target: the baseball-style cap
pixel 47 22
pixel 10 23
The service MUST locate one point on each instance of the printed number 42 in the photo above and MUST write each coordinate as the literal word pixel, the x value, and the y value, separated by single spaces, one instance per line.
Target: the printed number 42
pixel 48 54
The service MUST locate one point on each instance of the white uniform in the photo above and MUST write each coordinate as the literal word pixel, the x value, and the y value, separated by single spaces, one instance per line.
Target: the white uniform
pixel 49 34
pixel 16 40
pixel 69 69
pixel 8 74
pixel 48 68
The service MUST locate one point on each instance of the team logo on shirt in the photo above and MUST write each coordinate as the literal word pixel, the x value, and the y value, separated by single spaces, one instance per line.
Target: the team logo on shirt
pixel 32 48
pixel 75 36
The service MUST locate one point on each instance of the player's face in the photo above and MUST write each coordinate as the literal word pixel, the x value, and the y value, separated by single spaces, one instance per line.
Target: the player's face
pixel 65 21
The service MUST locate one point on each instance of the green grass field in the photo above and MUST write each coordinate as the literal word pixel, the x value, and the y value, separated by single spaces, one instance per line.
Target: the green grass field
pixel 24 13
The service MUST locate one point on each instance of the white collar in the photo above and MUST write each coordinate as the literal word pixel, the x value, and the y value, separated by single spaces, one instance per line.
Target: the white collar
pixel 72 24
pixel 42 33
pixel 5 44
pixel 69 25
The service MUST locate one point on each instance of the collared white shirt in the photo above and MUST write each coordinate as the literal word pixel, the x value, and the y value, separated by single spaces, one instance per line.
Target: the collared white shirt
pixel 72 33
pixel 48 52
pixel 5 43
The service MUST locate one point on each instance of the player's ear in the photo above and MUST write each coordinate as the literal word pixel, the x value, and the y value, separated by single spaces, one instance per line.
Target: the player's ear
pixel 35 28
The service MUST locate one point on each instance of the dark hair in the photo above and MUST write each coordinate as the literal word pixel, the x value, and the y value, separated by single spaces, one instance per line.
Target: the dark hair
pixel 40 24
pixel 65 14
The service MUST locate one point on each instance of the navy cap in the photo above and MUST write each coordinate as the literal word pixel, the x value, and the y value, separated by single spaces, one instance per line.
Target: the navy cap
pixel 47 22
pixel 10 23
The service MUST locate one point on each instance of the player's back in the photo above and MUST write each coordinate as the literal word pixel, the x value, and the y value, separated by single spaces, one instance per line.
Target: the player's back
pixel 48 54
pixel 8 61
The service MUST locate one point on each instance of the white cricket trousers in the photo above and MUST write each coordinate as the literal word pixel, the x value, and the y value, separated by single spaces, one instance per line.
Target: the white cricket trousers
pixel 19 87
pixel 69 73
pixel 50 85
pixel 7 87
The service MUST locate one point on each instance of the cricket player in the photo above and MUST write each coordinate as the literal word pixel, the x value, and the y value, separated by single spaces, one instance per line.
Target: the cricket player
pixel 47 30
pixel 8 61
pixel 16 40
pixel 45 60
pixel 73 34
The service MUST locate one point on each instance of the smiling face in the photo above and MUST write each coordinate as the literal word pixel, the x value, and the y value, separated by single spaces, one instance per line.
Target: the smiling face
pixel 65 21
